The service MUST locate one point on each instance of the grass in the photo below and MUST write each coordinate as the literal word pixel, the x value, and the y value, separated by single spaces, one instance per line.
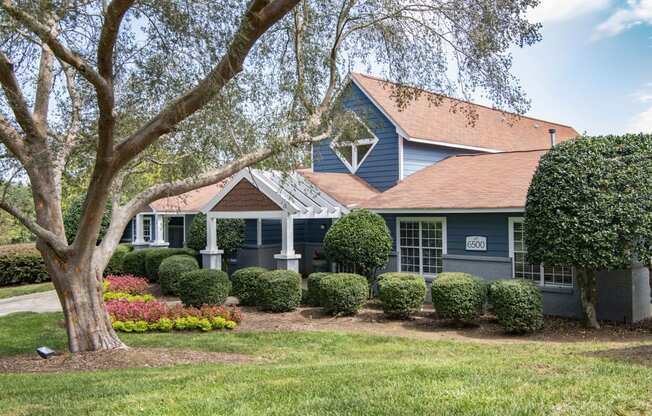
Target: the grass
pixel 331 373
pixel 10 291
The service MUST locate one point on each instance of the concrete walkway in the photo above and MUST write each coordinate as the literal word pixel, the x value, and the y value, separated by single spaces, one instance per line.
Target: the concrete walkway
pixel 35 302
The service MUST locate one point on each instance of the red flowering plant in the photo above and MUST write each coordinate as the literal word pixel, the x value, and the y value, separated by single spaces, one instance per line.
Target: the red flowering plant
pixel 141 316
pixel 129 284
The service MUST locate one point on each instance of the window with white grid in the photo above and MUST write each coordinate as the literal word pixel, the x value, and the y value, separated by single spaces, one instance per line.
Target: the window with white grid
pixel 421 246
pixel 147 229
pixel 538 273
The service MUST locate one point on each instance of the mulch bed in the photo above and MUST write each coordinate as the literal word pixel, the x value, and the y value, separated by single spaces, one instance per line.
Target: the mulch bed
pixel 427 325
pixel 124 358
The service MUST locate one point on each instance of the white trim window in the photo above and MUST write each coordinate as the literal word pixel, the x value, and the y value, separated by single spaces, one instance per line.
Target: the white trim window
pixel 557 276
pixel 353 154
pixel 147 229
pixel 421 245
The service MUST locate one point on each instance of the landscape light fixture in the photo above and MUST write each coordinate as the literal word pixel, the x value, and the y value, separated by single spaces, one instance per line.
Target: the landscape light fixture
pixel 45 352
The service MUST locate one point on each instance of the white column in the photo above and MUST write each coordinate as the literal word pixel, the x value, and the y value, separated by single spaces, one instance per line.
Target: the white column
pixel 160 241
pixel 212 255
pixel 259 232
pixel 287 230
pixel 140 229
pixel 211 234
pixel 140 242
pixel 287 259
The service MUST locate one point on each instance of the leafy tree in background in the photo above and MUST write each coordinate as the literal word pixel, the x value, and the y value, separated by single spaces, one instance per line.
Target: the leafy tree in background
pixel 130 101
pixel 590 206
pixel 359 240
pixel 230 235
pixel 11 230
pixel 73 214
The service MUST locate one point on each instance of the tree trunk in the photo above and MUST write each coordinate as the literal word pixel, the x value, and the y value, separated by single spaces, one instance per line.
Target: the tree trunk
pixel 586 281
pixel 79 287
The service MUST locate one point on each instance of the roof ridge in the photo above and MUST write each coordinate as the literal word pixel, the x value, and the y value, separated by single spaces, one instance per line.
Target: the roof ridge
pixel 463 101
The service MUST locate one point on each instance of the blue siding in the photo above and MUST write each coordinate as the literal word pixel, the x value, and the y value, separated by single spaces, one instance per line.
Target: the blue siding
pixel 126 235
pixel 459 226
pixel 380 168
pixel 417 156
pixel 314 231
pixel 251 232
pixel 189 218
pixel 271 231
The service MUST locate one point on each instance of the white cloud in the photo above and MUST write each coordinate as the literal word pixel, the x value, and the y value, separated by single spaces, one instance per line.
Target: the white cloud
pixel 635 13
pixel 641 123
pixel 559 10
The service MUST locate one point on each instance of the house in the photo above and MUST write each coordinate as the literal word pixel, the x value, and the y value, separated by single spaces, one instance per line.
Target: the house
pixel 452 194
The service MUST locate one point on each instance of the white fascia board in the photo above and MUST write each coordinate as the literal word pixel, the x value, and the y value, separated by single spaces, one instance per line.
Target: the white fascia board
pixel 452 145
pixel 247 214
pixel 446 211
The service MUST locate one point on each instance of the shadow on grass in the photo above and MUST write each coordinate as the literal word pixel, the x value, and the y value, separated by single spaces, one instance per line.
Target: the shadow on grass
pixel 640 355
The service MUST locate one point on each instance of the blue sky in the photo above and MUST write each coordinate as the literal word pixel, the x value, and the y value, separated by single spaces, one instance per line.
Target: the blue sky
pixel 593 68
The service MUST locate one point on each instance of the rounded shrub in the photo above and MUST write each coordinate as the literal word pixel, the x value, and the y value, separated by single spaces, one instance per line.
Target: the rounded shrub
pixel 518 305
pixel 359 239
pixel 245 284
pixel 203 287
pixel 155 256
pixel 115 266
pixel 171 269
pixel 134 263
pixel 312 294
pixel 279 291
pixel 402 294
pixel 458 296
pixel 343 293
pixel 21 264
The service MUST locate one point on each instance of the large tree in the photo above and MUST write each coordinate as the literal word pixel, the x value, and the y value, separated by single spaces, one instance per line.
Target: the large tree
pixel 131 101
pixel 590 206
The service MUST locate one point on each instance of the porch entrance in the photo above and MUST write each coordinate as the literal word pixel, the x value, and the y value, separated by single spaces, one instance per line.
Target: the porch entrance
pixel 175 232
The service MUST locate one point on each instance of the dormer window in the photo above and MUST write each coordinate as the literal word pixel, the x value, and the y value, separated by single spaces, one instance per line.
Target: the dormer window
pixel 354 145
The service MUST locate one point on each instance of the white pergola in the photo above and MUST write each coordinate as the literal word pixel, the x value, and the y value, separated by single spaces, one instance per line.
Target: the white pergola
pixel 296 198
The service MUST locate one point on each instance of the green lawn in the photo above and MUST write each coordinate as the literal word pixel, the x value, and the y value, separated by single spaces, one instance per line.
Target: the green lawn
pixel 328 373
pixel 10 291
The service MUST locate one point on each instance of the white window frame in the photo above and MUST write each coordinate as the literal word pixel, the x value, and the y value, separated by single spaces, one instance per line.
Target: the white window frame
pixel 542 277
pixel 444 240
pixel 353 168
pixel 147 229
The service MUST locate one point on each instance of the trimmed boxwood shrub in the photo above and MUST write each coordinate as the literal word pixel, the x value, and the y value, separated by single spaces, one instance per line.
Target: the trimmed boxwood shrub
pixel 343 293
pixel 155 256
pixel 458 296
pixel 279 291
pixel 23 265
pixel 171 270
pixel 245 284
pixel 312 294
pixel 203 287
pixel 115 266
pixel 518 305
pixel 134 263
pixel 402 294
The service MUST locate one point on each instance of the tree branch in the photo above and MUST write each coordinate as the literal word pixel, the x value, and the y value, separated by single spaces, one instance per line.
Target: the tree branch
pixel 17 100
pixel 58 49
pixel 58 245
pixel 13 140
pixel 260 16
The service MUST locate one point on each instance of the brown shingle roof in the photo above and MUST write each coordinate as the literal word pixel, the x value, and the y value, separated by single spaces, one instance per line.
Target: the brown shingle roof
pixel 348 189
pixel 489 181
pixel 437 123
pixel 192 201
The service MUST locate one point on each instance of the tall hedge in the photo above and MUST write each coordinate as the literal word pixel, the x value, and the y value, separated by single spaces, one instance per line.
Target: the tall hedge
pixel 359 239
pixel 590 205
pixel 230 234
pixel 21 264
